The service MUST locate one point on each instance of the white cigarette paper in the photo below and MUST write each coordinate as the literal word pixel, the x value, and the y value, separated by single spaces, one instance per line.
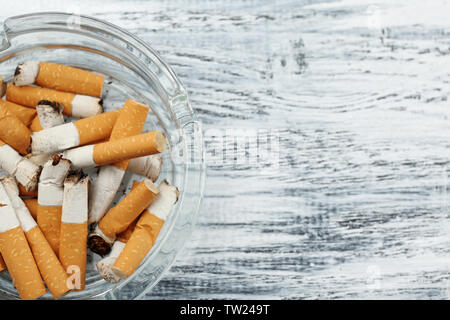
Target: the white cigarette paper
pixel 8 218
pixel 148 166
pixel 50 114
pixel 50 189
pixel 105 265
pixel 75 203
pixel 103 192
pixel 26 73
pixel 54 139
pixel 25 171
pixel 23 214
pixel 168 196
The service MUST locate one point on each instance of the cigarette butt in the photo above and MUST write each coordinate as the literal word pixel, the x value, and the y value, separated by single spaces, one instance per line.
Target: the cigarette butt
pixel 74 134
pixel 24 114
pixel 15 133
pixel 74 105
pixel 35 125
pixel 16 252
pixel 24 193
pixel 21 265
pixel 148 166
pixel 2 87
pixel 51 269
pixel 59 77
pixel 25 171
pixel 130 122
pixel 49 113
pixel 146 231
pixel 128 148
pixel 30 96
pixel 118 150
pixel 74 227
pixel 50 199
pixel 48 264
pixel 105 265
pixel 137 247
pixel 26 73
pixel 32 206
pixel 2 264
pixel 118 218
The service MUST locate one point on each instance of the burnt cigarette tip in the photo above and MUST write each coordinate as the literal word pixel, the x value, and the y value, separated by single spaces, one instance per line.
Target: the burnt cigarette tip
pixel 98 245
pixel 56 158
pixel 32 184
pixel 53 104
pixel 100 103
pixel 76 176
pixel 18 70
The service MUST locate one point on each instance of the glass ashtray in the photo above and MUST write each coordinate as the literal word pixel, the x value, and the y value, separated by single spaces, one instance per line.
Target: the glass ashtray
pixel 132 69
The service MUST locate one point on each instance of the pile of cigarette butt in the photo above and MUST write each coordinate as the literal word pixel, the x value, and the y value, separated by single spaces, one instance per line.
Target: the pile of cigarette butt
pixel 48 203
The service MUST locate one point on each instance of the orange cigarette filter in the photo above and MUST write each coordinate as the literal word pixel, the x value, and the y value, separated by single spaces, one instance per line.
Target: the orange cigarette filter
pixel 124 236
pixel 70 79
pixel 32 206
pixel 21 264
pixel 49 220
pixel 24 114
pixel 35 125
pixel 96 128
pixel 139 244
pixel 51 269
pixel 129 125
pixel 24 193
pixel 15 134
pixel 30 96
pixel 73 249
pixel 118 218
pixel 128 148
pixel 2 264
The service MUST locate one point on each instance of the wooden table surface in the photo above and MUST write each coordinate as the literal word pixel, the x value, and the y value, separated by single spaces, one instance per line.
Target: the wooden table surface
pixel 352 203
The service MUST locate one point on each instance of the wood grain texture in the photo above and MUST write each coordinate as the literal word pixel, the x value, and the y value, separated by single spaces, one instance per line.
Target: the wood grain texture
pixel 356 92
